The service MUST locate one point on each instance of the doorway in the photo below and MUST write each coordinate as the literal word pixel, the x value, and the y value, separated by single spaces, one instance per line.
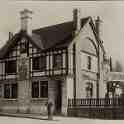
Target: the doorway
pixel 58 103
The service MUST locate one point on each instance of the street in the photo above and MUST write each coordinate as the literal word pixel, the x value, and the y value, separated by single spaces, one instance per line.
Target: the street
pixel 56 120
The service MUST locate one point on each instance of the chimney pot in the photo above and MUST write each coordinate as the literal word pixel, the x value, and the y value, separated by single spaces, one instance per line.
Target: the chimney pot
pixel 10 35
pixel 77 19
pixel 98 23
pixel 26 17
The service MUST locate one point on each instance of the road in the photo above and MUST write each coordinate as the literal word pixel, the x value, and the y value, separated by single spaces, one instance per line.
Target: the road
pixel 57 120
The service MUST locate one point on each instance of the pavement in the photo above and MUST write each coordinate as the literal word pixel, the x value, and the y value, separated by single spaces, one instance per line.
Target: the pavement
pixel 6 118
pixel 22 115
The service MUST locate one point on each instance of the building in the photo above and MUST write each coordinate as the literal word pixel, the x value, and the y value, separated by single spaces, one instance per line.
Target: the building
pixel 52 64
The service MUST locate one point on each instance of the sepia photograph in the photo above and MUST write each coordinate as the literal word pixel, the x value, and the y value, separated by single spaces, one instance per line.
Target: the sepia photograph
pixel 61 62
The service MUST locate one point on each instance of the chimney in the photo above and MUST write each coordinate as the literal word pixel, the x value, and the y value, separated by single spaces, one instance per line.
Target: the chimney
pixel 10 35
pixel 77 19
pixel 98 23
pixel 111 68
pixel 26 18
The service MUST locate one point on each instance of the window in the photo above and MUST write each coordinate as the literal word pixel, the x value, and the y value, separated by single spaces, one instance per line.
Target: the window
pixel 89 90
pixel 1 89
pixel 39 63
pixel 35 89
pixel 89 62
pixel 39 89
pixel 24 46
pixel 43 89
pixel 10 91
pixel 10 66
pixel 36 63
pixel 57 61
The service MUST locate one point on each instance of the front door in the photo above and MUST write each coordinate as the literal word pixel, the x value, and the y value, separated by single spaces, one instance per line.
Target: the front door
pixel 58 98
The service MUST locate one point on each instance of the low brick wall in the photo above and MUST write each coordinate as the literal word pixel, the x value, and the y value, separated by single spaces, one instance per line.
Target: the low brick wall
pixel 94 112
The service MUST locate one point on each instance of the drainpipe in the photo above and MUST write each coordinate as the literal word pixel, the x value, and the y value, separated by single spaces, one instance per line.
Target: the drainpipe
pixel 98 31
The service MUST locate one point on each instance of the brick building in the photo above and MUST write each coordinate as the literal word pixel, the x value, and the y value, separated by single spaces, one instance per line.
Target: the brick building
pixel 52 63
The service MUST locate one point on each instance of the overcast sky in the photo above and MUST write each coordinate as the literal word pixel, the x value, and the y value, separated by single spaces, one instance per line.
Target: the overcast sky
pixel 48 13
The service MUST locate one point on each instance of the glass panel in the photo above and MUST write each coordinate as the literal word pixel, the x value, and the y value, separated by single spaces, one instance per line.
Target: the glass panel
pixel 14 91
pixel 36 63
pixel 35 89
pixel 7 91
pixel 1 90
pixel 24 46
pixel 89 90
pixel 89 62
pixel 10 66
pixel 44 89
pixel 43 63
pixel 57 61
pixel 39 63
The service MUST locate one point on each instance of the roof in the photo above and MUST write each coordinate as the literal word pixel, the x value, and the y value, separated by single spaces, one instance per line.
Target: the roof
pixel 55 34
pixel 59 35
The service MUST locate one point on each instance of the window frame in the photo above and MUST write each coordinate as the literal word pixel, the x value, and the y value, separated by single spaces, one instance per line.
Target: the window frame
pixel 89 89
pixel 24 46
pixel 57 65
pixel 89 62
pixel 42 66
pixel 8 66
pixel 43 94
pixel 10 91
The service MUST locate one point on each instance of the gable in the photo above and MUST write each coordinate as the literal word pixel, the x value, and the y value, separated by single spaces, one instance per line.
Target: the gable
pixel 14 44
pixel 88 32
pixel 89 46
pixel 89 38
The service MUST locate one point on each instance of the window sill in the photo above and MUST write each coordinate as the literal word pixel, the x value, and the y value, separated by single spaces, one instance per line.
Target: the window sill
pixel 38 70
pixel 10 74
pixel 6 99
pixel 43 98
pixel 38 99
pixel 87 70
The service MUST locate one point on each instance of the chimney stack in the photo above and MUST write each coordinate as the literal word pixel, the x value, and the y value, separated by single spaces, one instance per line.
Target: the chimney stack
pixel 98 23
pixel 26 18
pixel 111 68
pixel 10 35
pixel 77 19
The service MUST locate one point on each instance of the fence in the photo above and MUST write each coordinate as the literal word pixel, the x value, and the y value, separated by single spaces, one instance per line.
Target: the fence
pixel 95 102
pixel 97 108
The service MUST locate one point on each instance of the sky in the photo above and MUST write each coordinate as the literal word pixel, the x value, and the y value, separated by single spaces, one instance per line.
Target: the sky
pixel 48 13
